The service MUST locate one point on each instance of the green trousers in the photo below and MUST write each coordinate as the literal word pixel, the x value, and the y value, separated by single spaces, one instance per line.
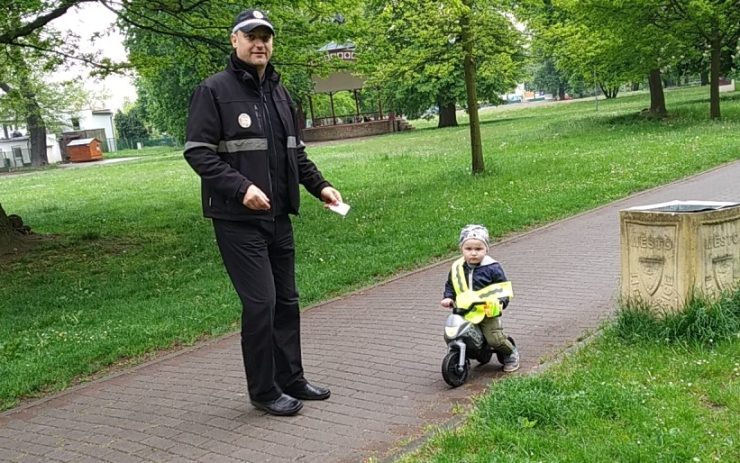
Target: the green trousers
pixel 493 331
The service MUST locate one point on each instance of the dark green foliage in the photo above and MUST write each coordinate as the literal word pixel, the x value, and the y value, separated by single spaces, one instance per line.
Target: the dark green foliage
pixel 130 125
pixel 173 53
pixel 548 78
pixel 412 52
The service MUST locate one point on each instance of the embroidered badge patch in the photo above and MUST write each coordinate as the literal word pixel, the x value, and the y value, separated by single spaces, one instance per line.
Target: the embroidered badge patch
pixel 244 120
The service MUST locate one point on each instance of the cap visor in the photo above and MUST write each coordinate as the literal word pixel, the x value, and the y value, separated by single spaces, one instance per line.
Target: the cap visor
pixel 251 24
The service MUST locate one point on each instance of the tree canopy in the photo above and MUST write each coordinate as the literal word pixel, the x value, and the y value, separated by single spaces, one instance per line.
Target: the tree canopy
pixel 416 54
pixel 131 124
pixel 614 42
pixel 195 43
pixel 412 51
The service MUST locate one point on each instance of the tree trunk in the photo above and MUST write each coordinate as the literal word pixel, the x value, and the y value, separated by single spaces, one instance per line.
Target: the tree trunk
pixel 4 221
pixel 9 237
pixel 447 115
pixel 561 91
pixel 636 86
pixel 609 92
pixel 716 44
pixel 36 129
pixel 34 120
pixel 37 135
pixel 657 97
pixel 704 75
pixel 300 115
pixel 469 71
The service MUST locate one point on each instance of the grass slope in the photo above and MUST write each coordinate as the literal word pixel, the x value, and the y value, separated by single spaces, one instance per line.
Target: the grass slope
pixel 131 266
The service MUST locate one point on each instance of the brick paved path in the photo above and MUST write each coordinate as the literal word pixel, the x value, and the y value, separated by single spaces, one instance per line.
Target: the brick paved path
pixel 379 350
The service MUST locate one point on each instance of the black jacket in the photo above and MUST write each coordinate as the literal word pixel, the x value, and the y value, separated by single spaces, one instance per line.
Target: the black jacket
pixel 229 134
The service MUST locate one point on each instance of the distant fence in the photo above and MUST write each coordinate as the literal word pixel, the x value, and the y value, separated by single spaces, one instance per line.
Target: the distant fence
pixel 135 143
pixel 346 119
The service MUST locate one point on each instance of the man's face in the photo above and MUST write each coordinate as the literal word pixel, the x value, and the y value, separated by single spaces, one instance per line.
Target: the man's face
pixel 254 47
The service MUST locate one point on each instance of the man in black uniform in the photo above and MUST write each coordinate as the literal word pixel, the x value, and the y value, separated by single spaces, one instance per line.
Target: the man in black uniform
pixel 243 141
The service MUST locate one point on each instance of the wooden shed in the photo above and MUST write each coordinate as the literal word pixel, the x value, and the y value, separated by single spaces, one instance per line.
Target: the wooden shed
pixel 84 149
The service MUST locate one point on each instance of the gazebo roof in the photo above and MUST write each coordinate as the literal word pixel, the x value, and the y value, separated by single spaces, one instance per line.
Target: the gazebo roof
pixel 342 79
pixel 333 46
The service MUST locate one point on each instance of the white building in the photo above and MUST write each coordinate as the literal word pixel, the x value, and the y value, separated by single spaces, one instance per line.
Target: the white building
pixel 16 152
pixel 90 119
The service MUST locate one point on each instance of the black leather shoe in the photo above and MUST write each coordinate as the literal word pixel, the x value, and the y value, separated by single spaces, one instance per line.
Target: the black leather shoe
pixel 284 405
pixel 307 391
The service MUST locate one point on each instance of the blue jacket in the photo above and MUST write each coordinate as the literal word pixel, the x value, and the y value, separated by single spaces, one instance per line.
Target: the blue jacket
pixel 488 272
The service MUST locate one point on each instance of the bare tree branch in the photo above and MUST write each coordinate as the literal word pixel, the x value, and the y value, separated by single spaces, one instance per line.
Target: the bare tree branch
pixel 29 28
pixel 159 27
pixel 106 67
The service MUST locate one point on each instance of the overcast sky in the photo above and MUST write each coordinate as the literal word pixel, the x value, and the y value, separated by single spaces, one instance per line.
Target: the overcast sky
pixel 85 21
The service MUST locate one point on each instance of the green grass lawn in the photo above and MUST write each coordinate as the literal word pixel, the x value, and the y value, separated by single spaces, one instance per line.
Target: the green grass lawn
pixel 644 390
pixel 130 266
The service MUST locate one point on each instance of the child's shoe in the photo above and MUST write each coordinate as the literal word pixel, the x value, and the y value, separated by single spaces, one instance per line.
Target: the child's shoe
pixel 511 361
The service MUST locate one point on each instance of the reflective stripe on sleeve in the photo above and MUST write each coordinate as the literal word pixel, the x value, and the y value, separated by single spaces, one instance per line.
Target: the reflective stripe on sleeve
pixel 245 144
pixel 293 142
pixel 198 144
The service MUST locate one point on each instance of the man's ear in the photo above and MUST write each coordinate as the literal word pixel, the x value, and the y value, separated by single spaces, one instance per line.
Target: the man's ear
pixel 234 38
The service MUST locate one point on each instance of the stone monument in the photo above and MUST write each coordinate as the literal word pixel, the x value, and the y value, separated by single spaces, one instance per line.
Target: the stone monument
pixel 675 250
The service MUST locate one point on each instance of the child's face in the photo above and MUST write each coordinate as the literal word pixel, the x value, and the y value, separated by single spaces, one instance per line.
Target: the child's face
pixel 474 251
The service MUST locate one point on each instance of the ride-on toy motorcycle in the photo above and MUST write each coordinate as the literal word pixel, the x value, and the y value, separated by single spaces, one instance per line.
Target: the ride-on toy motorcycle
pixel 464 337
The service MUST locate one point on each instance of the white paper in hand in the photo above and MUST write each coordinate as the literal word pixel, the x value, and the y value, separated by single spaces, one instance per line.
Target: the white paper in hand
pixel 340 208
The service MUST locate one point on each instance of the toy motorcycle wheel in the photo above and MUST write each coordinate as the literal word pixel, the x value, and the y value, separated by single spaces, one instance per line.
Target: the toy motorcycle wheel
pixel 451 371
pixel 484 356
pixel 502 357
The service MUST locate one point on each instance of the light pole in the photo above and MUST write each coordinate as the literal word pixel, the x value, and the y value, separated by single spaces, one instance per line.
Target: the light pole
pixel 596 93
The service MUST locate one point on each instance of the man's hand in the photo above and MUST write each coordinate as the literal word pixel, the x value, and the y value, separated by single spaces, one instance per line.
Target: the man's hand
pixel 256 199
pixel 447 302
pixel 330 196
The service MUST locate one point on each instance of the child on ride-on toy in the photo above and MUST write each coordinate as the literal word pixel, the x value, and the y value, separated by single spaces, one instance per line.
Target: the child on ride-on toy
pixel 475 271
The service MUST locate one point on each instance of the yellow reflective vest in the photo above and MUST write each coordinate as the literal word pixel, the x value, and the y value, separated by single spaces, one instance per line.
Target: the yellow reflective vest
pixel 487 297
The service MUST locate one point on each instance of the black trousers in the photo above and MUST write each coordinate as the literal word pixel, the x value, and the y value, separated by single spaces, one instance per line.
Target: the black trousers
pixel 260 259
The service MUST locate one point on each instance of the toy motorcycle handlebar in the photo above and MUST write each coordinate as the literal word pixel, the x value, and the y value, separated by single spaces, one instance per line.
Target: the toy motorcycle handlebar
pixel 461 311
pixel 479 310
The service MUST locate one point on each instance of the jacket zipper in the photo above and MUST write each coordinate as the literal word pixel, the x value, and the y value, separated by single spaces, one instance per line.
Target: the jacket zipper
pixel 270 148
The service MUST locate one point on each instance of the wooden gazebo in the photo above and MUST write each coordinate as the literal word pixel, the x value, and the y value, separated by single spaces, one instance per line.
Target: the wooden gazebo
pixel 344 125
